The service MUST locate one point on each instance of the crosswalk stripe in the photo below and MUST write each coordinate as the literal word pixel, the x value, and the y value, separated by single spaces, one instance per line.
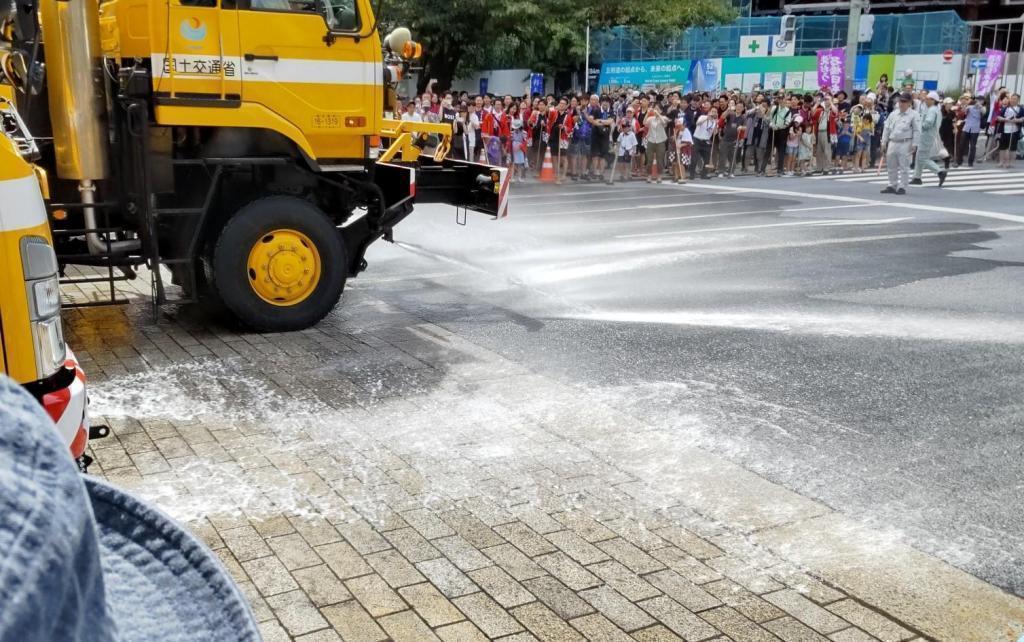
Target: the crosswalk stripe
pixel 1010 192
pixel 951 177
pixel 990 181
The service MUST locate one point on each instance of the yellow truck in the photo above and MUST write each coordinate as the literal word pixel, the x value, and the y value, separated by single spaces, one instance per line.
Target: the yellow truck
pixel 32 348
pixel 240 146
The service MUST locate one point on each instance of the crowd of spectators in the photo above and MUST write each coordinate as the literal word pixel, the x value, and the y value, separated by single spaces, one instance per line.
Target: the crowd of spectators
pixel 652 135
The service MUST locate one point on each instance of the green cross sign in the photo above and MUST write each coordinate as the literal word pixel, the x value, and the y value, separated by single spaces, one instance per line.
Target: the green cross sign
pixel 754 46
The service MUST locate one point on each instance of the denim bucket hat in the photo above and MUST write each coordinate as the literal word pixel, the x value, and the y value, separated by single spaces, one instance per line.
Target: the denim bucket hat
pixel 84 561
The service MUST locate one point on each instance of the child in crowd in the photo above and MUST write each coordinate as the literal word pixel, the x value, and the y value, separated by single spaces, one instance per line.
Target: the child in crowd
pixel 806 151
pixel 519 138
pixel 862 154
pixel 793 146
pixel 625 146
pixel 684 143
pixel 844 147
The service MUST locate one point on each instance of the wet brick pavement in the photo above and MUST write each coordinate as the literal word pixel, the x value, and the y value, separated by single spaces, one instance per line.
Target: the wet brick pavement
pixel 381 478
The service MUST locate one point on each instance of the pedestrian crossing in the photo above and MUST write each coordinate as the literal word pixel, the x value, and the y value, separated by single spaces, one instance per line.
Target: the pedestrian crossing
pixel 992 180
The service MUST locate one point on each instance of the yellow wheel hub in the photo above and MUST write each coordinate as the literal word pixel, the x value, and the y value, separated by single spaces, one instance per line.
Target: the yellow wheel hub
pixel 284 267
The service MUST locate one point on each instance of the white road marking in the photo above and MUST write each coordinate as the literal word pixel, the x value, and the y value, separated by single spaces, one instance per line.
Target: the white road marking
pixel 629 209
pixel 1002 216
pixel 716 215
pixel 627 197
pixel 1010 192
pixel 951 177
pixel 838 221
pixel 590 191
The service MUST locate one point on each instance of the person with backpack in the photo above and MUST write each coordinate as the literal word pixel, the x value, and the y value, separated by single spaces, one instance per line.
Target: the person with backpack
pixel 779 121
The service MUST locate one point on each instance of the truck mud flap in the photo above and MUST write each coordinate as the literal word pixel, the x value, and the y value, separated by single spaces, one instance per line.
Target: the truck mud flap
pixel 471 186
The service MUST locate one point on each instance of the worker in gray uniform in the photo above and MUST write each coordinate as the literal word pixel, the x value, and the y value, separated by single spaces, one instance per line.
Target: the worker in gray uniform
pixel 900 138
pixel 931 118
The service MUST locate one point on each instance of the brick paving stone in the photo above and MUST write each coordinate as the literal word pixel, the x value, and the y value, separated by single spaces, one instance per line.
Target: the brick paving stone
pixel 677 618
pixel 686 565
pixel 525 539
pixel 583 525
pixel 623 580
pixel 870 621
pixel 323 635
pixel 260 610
pixel 461 632
pixel 689 542
pixel 471 528
pixel 407 627
pixel 412 545
pixel 395 569
pixel 463 554
pixel 616 608
pixel 737 627
pixel 598 628
pixel 273 526
pixel 808 586
pixel 353 623
pixel 293 551
pixel 514 562
pixel 806 611
pixel 558 597
pixel 427 523
pixel 536 519
pixel 501 586
pixel 361 536
pixel 446 577
pixel 744 573
pixel 632 557
pixel 683 591
pixel 430 604
pixel 321 585
pixel 343 560
pixel 739 598
pixel 375 595
pixel 296 613
pixel 272 631
pixel 853 635
pixel 568 571
pixel 545 623
pixel 636 533
pixel 315 530
pixel 518 637
pixel 269 575
pixel 656 633
pixel 576 547
pixel 488 615
pixel 790 629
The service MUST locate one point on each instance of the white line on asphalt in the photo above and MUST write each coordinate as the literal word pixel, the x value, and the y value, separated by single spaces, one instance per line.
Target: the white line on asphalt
pixel 950 177
pixel 850 199
pixel 589 191
pixel 1010 192
pixel 625 209
pixel 716 215
pixel 664 194
pixel 977 185
pixel 837 221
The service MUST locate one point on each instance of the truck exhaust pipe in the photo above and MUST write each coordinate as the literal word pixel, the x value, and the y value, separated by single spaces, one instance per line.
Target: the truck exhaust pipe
pixel 100 244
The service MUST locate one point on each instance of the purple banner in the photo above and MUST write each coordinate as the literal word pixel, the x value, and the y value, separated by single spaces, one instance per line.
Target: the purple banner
pixel 992 71
pixel 831 68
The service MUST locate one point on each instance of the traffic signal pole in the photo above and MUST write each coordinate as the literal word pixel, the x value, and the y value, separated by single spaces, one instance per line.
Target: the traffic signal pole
pixel 852 38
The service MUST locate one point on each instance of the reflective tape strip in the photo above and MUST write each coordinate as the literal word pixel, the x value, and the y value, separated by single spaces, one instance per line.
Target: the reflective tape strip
pixel 284 70
pixel 21 204
pixel 506 178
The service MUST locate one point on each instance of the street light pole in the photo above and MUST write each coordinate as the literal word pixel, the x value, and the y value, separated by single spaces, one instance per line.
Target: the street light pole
pixel 586 67
pixel 852 38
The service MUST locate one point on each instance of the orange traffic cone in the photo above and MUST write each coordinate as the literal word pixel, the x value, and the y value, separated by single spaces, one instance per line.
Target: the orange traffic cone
pixel 547 170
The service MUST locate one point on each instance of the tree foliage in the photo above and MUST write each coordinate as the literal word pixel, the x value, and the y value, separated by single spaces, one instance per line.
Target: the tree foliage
pixel 463 36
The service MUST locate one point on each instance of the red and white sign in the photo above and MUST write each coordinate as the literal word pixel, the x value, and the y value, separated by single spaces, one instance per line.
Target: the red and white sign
pixel 947 56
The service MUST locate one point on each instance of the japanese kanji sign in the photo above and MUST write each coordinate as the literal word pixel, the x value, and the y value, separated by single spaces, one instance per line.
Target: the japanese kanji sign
pixel 831 68
pixel 989 74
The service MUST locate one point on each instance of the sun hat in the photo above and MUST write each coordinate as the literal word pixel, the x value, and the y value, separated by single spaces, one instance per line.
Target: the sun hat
pixel 948 101
pixel 934 95
pixel 906 97
pixel 86 561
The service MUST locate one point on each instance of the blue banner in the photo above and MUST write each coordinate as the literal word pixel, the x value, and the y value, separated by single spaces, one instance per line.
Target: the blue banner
pixel 483 86
pixel 536 84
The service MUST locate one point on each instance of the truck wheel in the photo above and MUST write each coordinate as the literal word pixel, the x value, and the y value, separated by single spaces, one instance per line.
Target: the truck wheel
pixel 279 264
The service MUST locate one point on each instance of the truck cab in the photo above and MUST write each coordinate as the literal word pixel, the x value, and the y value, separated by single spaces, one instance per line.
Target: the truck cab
pixel 32 347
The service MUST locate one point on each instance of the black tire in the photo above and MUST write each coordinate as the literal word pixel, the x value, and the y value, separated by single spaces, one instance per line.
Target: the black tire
pixel 231 252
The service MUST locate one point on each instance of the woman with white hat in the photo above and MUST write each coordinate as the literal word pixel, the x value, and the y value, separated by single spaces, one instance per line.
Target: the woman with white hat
pixel 929 148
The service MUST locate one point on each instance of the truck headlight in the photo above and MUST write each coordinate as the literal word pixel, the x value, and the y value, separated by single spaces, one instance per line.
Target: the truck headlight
pixel 46 298
pixel 51 350
pixel 42 288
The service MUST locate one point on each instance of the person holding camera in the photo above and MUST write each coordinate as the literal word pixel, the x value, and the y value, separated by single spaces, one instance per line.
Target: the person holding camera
pixel 599 115
pixel 657 135
pixel 824 119
pixel 779 119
